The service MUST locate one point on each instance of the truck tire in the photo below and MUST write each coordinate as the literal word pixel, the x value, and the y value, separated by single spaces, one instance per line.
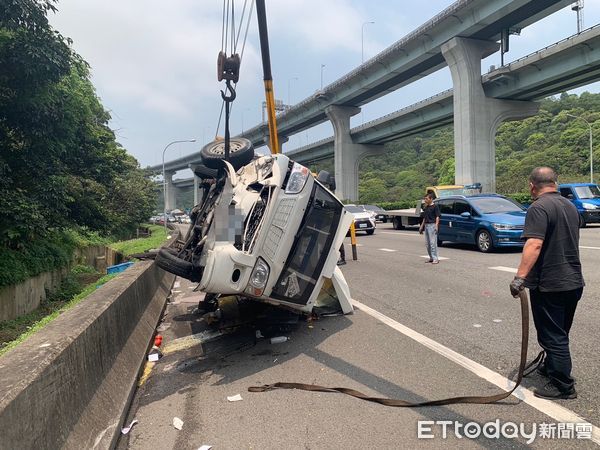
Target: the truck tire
pixel 397 223
pixel 175 265
pixel 241 153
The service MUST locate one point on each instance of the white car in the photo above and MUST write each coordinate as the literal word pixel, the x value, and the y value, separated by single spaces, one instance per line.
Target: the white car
pixel 363 220
pixel 268 232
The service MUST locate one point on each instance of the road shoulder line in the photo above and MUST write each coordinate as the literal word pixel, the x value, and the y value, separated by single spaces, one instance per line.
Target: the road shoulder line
pixel 551 409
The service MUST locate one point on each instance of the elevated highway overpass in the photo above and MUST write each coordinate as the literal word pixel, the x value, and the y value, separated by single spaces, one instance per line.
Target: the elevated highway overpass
pixel 460 36
pixel 565 65
pixel 415 56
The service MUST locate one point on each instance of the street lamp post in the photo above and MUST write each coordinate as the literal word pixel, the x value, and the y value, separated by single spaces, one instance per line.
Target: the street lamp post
pixel 591 146
pixel 362 41
pixel 165 179
pixel 322 67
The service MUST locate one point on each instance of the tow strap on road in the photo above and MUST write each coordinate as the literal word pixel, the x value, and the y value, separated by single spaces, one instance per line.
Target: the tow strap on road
pixel 523 366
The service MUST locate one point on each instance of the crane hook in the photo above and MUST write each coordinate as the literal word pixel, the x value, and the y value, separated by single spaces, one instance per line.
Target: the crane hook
pixel 231 96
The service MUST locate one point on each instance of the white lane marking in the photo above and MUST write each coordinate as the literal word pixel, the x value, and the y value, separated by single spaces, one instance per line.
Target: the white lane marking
pixel 441 258
pixel 551 409
pixel 504 269
pixel 590 248
pixel 387 250
pixel 497 320
pixel 398 233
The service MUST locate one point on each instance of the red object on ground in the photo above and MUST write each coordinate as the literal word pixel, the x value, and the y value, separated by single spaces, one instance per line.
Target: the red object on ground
pixel 158 340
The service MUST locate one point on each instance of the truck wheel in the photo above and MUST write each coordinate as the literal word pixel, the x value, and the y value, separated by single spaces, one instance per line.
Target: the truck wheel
pixel 484 241
pixel 397 223
pixel 175 265
pixel 241 153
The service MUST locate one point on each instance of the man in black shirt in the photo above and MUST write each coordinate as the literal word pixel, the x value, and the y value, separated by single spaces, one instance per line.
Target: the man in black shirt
pixel 551 269
pixel 431 226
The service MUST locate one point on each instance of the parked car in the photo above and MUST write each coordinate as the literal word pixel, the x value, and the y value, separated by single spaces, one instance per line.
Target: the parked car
pixel 586 198
pixel 363 219
pixel 486 220
pixel 377 211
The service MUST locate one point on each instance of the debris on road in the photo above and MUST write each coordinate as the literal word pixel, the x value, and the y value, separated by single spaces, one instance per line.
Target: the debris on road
pixel 279 339
pixel 177 423
pixel 235 398
pixel 205 447
pixel 126 430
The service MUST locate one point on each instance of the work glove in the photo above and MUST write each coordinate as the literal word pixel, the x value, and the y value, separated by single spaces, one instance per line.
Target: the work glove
pixel 516 286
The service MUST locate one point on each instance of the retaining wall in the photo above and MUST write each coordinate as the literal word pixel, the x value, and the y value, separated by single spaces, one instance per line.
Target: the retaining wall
pixel 70 384
pixel 19 299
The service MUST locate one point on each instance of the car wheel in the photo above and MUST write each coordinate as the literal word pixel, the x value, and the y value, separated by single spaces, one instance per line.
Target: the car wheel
pixel 370 232
pixel 582 223
pixel 170 262
pixel 440 243
pixel 241 153
pixel 484 241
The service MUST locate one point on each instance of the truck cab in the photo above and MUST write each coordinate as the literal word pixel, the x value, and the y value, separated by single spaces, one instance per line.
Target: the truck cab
pixel 586 198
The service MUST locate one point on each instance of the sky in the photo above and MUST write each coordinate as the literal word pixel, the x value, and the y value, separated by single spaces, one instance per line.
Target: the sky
pixel 153 63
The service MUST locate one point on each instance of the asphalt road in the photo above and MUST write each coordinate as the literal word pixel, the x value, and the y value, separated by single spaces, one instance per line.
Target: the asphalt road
pixel 463 304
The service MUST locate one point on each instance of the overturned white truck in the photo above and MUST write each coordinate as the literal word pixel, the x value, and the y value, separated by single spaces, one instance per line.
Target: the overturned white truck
pixel 266 229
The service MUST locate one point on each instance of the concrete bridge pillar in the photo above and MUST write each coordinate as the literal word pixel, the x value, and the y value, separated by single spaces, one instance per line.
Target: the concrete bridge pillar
pixel 477 117
pixel 347 154
pixel 170 191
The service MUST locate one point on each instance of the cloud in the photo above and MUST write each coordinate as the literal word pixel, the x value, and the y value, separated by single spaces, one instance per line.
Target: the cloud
pixel 151 53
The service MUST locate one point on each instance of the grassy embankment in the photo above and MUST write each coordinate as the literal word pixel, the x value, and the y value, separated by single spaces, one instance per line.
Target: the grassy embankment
pixel 81 282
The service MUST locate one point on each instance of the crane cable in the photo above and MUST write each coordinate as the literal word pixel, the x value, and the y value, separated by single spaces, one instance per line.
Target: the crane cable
pixel 225 33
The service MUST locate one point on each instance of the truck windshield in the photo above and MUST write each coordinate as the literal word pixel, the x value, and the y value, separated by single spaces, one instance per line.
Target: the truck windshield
pixel 311 248
pixel 587 192
pixel 448 192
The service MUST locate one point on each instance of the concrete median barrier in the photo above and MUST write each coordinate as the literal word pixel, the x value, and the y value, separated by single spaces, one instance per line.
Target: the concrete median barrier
pixel 70 384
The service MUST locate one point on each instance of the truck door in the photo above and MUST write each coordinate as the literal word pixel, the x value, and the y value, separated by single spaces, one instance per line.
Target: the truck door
pixel 567 192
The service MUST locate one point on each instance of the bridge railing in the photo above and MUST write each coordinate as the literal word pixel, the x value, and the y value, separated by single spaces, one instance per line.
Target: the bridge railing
pixel 522 58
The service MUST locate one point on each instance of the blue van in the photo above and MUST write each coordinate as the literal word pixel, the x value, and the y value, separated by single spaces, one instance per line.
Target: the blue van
pixel 486 220
pixel 586 198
